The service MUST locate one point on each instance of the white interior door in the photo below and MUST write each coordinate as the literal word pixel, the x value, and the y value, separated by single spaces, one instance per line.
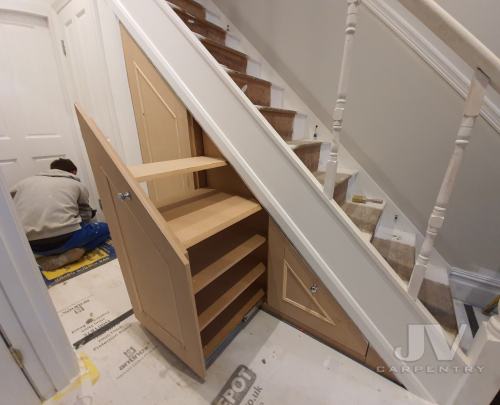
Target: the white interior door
pixel 86 64
pixel 35 127
pixel 14 386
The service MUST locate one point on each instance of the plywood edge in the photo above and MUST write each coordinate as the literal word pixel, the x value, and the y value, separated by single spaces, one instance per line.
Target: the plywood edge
pixel 209 314
pixel 219 267
pixel 155 170
pixel 219 337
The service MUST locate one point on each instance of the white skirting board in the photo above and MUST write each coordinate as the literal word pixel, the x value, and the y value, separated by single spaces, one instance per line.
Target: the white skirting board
pixel 474 288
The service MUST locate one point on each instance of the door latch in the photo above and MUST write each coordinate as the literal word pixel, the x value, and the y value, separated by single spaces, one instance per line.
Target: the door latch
pixel 125 196
pixel 314 288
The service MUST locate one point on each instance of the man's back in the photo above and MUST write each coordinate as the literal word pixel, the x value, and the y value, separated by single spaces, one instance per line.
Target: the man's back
pixel 48 204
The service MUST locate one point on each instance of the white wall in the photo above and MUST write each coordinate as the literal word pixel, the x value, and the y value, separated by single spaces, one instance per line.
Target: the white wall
pixel 401 117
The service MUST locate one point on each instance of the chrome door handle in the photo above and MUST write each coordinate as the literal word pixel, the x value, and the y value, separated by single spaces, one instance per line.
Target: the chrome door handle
pixel 125 196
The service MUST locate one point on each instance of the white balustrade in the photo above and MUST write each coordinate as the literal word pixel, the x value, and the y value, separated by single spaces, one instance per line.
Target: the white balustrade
pixel 473 104
pixel 338 114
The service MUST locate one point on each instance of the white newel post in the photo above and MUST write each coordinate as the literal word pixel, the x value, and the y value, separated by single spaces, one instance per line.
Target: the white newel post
pixel 472 109
pixel 481 382
pixel 338 114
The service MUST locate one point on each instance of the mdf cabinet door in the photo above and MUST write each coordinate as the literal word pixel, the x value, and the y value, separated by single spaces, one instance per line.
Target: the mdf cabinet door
pixel 297 294
pixel 162 121
pixel 154 265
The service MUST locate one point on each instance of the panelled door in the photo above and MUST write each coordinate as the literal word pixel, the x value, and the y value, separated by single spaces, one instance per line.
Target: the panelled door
pixel 295 292
pixel 35 126
pixel 162 121
pixel 154 265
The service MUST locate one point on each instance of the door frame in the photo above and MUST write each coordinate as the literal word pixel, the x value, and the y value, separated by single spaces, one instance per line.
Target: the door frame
pixel 27 315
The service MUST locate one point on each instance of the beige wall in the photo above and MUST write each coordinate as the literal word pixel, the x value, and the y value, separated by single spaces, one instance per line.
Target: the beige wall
pixel 401 117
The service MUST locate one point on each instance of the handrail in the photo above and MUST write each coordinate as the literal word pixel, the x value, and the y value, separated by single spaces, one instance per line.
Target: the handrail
pixel 457 37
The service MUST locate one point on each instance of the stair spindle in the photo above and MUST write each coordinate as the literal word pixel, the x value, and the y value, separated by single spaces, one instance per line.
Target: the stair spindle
pixel 472 109
pixel 338 114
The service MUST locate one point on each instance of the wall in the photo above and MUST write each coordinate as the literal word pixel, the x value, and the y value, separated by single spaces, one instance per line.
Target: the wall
pixel 401 118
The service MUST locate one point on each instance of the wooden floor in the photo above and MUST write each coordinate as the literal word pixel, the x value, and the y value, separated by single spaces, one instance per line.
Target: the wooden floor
pixel 126 365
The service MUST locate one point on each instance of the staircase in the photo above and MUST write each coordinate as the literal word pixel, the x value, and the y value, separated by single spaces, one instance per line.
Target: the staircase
pixel 234 107
pixel 435 296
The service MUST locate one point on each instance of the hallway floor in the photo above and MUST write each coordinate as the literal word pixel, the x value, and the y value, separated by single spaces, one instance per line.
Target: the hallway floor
pixel 126 365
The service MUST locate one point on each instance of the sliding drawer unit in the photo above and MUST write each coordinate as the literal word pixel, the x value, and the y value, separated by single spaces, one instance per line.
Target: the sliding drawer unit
pixel 193 268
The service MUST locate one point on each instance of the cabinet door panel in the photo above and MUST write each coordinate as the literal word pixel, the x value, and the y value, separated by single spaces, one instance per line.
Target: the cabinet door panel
pixel 297 294
pixel 154 265
pixel 162 121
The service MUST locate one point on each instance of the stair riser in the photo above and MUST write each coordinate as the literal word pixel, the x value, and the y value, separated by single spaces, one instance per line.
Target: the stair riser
pixel 228 58
pixel 340 192
pixel 282 122
pixel 203 28
pixel 191 7
pixel 309 155
pixel 258 91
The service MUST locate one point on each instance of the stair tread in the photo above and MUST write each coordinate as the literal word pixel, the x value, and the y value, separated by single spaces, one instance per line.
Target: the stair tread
pixel 340 178
pixel 401 257
pixel 224 263
pixel 189 6
pixel 245 76
pixel 223 301
pixel 304 143
pixel 186 13
pixel 276 110
pixel 364 217
pixel 226 48
pixel 197 218
pixel 435 296
pixel 150 171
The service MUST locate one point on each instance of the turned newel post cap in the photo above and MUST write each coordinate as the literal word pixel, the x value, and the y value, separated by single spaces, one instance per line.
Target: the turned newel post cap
pixel 493 325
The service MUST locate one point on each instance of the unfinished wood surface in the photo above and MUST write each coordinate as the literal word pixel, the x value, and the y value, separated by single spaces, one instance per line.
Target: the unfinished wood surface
pixel 153 262
pixel 308 152
pixel 257 90
pixel 151 171
pixel 377 364
pixel 202 26
pixel 341 185
pixel 224 178
pixel 295 291
pixel 226 56
pixel 225 262
pixel 364 216
pixel 198 218
pixel 225 299
pixel 191 6
pixel 225 323
pixel 281 120
pixel 161 118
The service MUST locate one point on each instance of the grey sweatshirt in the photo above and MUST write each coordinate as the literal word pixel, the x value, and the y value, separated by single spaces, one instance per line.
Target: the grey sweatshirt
pixel 52 203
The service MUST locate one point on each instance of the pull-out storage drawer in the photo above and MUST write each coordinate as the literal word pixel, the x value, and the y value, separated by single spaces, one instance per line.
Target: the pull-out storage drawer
pixel 296 294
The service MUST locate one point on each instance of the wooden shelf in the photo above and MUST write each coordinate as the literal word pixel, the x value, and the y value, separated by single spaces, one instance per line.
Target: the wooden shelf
pixel 202 216
pixel 220 266
pixel 151 171
pixel 220 329
pixel 222 302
